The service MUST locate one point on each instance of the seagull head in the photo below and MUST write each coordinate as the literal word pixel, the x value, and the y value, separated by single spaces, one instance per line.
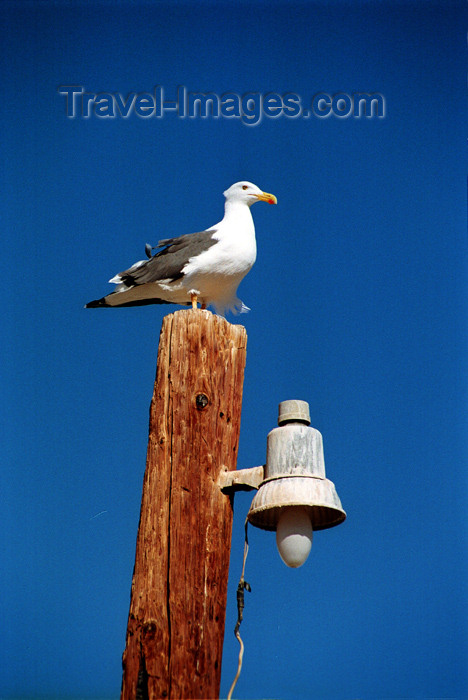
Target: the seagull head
pixel 248 193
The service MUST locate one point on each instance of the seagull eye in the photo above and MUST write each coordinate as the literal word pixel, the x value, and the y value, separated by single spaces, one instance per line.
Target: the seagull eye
pixel 245 187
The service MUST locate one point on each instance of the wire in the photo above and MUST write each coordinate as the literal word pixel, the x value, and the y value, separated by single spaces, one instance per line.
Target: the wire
pixel 241 588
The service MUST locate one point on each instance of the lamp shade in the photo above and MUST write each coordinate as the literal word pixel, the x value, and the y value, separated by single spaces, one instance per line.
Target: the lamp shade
pixel 294 474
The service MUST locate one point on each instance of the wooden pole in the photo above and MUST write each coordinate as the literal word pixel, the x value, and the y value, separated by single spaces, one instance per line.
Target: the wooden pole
pixel 178 600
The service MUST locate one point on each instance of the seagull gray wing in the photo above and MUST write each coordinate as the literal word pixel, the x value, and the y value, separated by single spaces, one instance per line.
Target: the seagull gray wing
pixel 169 263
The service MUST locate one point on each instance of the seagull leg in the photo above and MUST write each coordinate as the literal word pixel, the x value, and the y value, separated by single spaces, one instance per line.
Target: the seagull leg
pixel 203 306
pixel 194 299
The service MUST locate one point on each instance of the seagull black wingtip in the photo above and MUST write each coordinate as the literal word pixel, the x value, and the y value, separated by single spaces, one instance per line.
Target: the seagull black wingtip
pixel 96 303
pixel 102 303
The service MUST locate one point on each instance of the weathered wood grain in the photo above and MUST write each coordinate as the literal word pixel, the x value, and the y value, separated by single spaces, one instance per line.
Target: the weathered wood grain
pixel 178 599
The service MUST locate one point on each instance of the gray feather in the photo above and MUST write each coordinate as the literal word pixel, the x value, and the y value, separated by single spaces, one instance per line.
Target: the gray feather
pixel 169 263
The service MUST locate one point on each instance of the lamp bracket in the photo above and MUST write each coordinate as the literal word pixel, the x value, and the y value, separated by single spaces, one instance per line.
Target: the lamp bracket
pixel 230 481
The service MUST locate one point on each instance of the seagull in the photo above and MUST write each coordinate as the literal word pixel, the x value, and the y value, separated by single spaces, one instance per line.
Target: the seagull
pixel 204 267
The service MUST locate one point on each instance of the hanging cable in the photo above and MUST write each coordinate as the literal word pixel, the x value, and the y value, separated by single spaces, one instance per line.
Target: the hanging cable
pixel 241 588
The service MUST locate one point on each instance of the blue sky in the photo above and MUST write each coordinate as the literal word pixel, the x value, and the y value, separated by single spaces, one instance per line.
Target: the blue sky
pixel 359 303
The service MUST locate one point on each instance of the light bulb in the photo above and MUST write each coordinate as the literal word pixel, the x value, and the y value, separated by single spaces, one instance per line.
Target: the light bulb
pixel 294 536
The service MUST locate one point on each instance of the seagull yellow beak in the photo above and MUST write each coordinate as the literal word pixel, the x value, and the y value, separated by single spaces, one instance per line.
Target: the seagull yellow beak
pixel 265 197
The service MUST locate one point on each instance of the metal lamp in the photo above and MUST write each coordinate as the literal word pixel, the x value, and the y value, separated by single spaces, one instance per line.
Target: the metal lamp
pixel 295 498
